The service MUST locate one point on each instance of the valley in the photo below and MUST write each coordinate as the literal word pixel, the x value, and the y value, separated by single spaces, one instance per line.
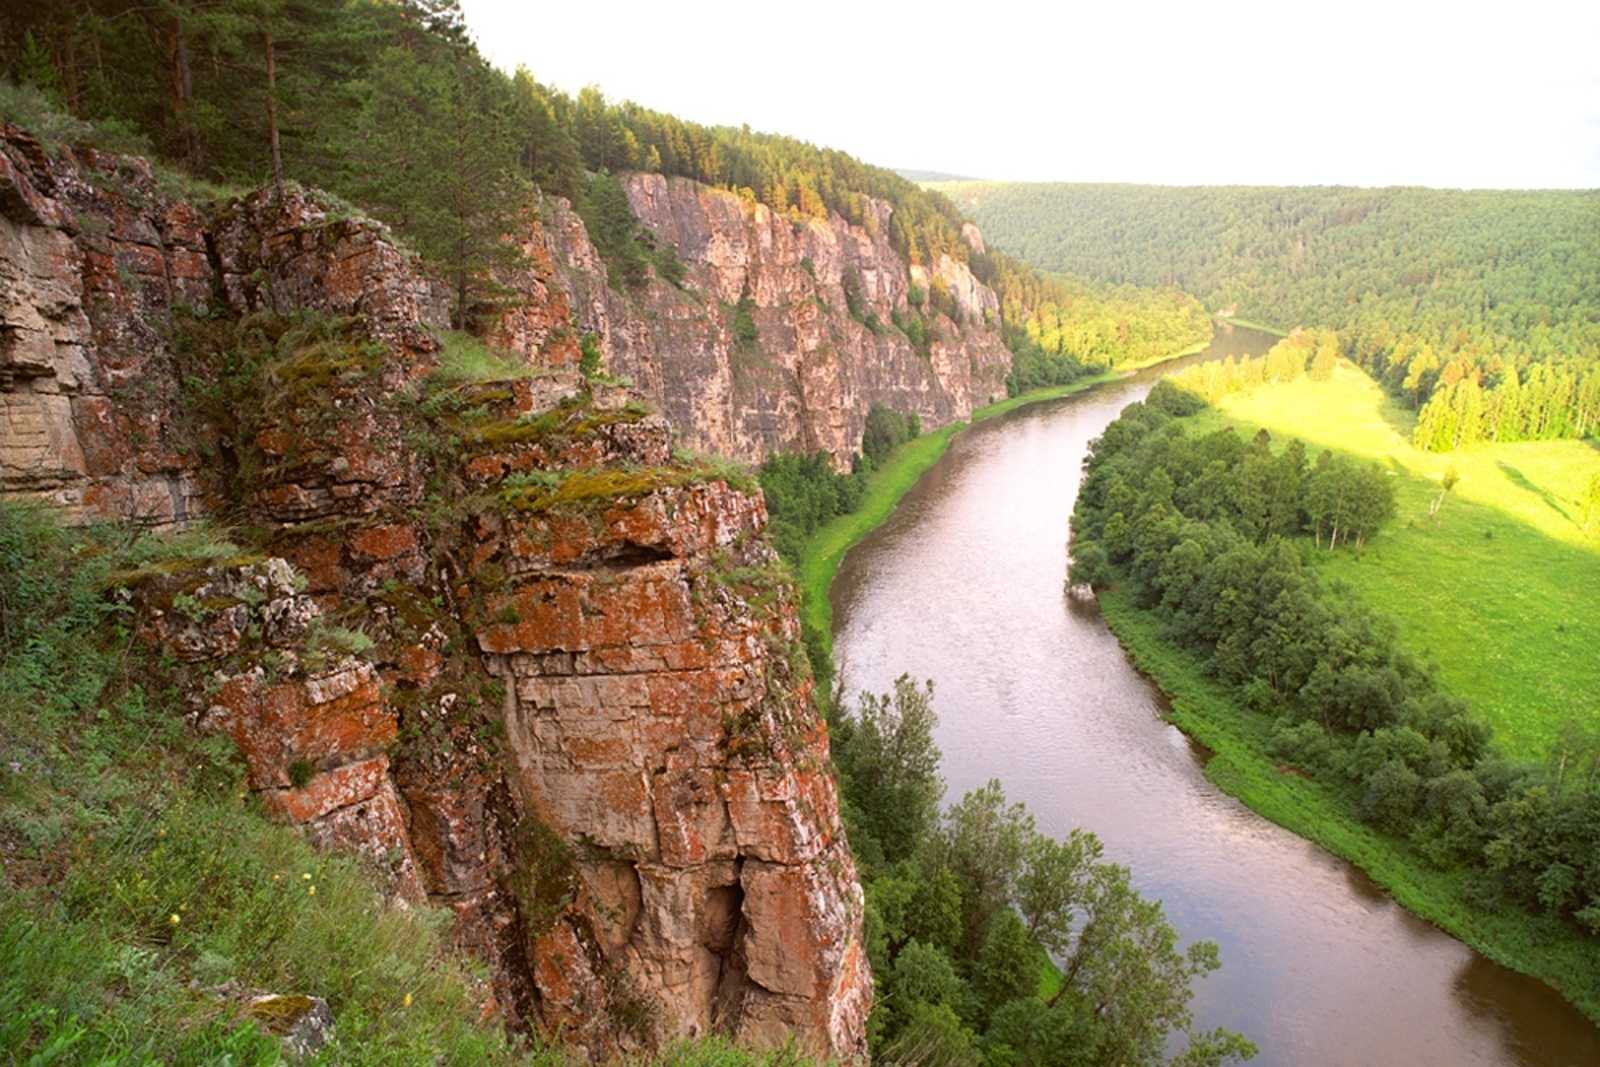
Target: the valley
pixel 493 572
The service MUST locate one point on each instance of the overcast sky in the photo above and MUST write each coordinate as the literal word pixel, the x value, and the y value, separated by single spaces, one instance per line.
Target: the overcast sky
pixel 1350 92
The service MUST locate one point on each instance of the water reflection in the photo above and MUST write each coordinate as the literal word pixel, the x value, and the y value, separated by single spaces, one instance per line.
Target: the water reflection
pixel 964 585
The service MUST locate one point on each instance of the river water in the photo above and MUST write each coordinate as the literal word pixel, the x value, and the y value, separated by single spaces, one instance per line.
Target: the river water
pixel 964 585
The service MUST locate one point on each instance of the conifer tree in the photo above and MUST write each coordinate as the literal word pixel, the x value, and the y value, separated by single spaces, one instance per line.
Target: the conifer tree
pixel 435 153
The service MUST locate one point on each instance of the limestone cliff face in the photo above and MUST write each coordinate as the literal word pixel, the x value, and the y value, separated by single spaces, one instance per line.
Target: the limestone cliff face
pixel 814 370
pixel 579 715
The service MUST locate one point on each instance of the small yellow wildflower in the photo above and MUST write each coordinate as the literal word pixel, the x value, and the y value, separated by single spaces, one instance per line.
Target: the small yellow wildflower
pixel 162 832
pixel 406 1003
pixel 306 876
pixel 173 919
pixel 311 890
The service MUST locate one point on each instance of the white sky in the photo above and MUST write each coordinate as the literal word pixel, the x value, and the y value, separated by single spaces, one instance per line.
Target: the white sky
pixel 1348 92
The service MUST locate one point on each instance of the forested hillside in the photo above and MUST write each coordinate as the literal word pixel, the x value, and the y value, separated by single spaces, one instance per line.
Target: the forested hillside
pixel 1428 288
pixel 392 107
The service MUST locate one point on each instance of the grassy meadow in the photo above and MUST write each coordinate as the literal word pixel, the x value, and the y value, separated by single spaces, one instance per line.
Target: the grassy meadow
pixel 1501 588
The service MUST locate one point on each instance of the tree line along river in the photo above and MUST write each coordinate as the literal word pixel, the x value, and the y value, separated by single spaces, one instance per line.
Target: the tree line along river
pixel 964 585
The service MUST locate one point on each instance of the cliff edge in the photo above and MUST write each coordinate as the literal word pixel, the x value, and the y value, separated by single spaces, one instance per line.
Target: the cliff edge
pixel 493 632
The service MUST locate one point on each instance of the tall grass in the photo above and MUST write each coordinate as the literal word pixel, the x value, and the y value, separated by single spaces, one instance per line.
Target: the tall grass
pixel 465 359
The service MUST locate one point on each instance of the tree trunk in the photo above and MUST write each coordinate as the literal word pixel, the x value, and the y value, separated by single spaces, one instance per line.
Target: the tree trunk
pixel 1090 929
pixel 71 76
pixel 272 114
pixel 182 92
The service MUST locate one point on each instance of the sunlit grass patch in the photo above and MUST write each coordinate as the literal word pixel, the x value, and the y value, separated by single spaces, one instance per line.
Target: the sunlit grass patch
pixel 1500 587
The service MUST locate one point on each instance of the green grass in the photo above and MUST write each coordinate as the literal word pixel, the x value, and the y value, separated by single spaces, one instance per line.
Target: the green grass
pixel 1500 589
pixel 1050 976
pixel 465 359
pixel 1324 814
pixel 141 881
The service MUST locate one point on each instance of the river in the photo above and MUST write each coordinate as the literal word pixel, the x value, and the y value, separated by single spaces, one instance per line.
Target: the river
pixel 964 585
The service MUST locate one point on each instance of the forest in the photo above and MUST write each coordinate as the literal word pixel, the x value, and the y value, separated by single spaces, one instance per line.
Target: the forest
pixel 1209 532
pixel 1427 288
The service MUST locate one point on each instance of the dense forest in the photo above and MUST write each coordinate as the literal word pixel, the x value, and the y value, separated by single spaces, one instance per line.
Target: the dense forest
pixel 1210 532
pixel 803 491
pixel 1427 288
pixel 391 106
pixel 1058 327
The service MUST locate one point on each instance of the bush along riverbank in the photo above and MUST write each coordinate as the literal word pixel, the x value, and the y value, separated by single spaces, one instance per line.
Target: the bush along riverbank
pixel 1198 546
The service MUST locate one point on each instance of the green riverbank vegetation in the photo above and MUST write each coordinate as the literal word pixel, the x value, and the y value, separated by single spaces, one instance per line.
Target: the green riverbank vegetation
pixel 1206 546
pixel 966 908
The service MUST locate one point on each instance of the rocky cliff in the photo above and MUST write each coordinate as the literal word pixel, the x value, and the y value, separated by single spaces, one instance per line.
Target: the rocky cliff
pixel 491 634
pixel 815 365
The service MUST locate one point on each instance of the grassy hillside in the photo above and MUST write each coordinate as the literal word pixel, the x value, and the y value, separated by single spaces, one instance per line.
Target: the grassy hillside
pixel 1500 587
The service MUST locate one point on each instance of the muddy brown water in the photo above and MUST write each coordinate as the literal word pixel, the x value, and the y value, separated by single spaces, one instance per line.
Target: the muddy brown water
pixel 963 585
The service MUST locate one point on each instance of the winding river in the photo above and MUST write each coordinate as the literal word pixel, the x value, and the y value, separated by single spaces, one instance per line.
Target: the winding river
pixel 963 585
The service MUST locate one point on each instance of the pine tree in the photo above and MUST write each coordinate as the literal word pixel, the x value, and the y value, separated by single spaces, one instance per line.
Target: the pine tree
pixel 435 153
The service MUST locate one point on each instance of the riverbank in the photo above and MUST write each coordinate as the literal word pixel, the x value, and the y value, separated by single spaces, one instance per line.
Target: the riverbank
pixel 1250 325
pixel 1193 350
pixel 824 551
pixel 1323 813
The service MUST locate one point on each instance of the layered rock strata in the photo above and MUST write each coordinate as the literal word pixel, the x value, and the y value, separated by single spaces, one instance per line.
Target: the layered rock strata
pixel 816 365
pixel 492 635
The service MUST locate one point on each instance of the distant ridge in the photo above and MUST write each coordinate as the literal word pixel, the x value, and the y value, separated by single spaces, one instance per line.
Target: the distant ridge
pixel 932 175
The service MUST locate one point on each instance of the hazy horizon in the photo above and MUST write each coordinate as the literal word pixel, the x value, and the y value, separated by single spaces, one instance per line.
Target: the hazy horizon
pixel 1365 94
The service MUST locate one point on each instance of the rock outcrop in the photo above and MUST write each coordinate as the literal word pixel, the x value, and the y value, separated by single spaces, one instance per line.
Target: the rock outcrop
pixel 493 635
pixel 815 366
pixel 92 259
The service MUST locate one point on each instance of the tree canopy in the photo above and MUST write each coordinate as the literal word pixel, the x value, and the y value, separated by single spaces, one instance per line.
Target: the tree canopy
pixel 969 909
pixel 1451 294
